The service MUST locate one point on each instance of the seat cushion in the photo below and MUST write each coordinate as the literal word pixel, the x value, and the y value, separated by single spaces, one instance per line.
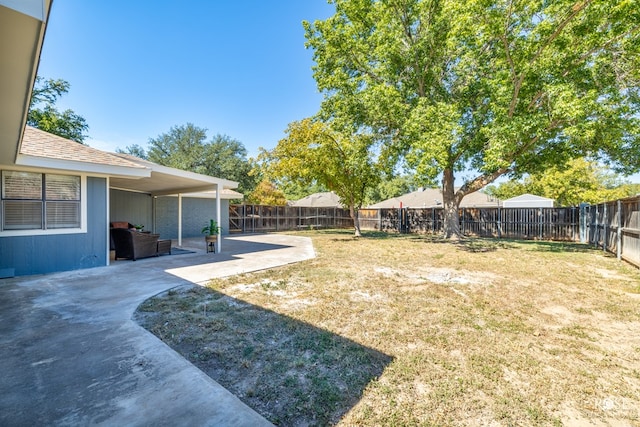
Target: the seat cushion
pixel 120 224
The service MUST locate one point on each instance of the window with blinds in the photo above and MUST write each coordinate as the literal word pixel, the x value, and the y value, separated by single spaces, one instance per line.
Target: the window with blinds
pixel 35 201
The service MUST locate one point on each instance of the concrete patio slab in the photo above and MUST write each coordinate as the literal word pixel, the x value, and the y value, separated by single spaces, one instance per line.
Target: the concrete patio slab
pixel 72 355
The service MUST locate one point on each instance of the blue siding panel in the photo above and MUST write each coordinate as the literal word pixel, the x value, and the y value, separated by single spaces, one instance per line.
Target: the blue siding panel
pixel 61 252
pixel 132 207
pixel 196 213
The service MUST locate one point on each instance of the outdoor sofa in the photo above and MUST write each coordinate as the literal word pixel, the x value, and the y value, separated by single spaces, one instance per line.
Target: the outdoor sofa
pixel 131 244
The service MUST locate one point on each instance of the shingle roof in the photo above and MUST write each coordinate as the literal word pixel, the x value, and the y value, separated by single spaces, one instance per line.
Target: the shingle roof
pixel 319 200
pixel 42 144
pixel 432 197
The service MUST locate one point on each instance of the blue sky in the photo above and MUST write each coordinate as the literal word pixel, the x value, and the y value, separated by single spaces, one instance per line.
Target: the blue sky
pixel 137 68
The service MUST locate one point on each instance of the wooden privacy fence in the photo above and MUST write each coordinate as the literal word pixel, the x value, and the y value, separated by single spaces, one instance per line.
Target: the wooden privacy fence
pixel 261 218
pixel 513 223
pixel 615 227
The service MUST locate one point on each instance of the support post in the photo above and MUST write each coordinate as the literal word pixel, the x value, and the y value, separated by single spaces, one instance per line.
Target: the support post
pixel 218 216
pixel 108 216
pixel 179 220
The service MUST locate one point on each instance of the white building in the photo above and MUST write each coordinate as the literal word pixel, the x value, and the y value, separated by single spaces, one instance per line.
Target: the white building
pixel 528 201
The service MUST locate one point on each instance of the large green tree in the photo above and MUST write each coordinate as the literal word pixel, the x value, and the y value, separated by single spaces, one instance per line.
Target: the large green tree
pixel 44 115
pixel 495 87
pixel 186 147
pixel 315 153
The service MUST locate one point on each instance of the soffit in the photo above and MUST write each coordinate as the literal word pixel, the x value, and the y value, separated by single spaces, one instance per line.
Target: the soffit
pixel 21 37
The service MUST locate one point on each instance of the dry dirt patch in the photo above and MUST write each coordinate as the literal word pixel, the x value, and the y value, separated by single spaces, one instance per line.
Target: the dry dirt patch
pixel 408 330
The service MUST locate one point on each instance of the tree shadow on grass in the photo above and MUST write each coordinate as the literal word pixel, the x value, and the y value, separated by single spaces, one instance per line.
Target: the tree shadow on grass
pixel 347 235
pixel 489 245
pixel 289 371
pixel 549 246
pixel 467 244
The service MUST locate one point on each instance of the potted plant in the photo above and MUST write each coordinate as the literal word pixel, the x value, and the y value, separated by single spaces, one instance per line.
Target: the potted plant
pixel 211 234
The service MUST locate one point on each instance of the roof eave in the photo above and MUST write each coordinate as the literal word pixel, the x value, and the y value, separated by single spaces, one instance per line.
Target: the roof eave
pixel 225 183
pixel 82 167
pixel 23 27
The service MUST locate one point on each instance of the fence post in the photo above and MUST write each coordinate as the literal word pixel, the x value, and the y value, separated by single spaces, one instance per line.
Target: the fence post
pixel 499 222
pixel 619 232
pixel 433 220
pixel 605 228
pixel 593 224
pixel 462 219
pixel 583 222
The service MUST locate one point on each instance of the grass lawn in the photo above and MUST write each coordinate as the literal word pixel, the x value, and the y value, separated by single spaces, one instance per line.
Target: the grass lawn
pixel 410 330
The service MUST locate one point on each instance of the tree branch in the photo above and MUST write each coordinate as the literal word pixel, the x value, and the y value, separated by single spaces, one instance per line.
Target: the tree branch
pixel 597 48
pixel 481 181
pixel 577 8
pixel 505 42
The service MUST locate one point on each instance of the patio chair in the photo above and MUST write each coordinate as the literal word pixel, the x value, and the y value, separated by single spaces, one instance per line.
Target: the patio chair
pixel 133 244
pixel 118 224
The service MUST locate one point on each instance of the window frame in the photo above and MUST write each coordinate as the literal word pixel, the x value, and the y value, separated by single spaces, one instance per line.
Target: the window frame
pixel 49 231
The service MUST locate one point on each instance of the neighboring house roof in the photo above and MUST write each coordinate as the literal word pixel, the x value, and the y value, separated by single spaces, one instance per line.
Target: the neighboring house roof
pixel 327 199
pixel 432 198
pixel 528 201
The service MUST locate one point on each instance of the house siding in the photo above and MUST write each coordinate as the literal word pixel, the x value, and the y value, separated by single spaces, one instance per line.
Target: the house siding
pixel 27 255
pixel 132 207
pixel 196 213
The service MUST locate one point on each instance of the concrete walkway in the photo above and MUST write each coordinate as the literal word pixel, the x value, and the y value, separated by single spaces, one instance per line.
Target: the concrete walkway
pixel 71 355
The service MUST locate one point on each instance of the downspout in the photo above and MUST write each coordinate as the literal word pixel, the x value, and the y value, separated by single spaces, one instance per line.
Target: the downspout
pixel 218 216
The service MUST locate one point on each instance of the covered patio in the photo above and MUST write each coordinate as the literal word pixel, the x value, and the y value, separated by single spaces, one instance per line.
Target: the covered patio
pixel 165 181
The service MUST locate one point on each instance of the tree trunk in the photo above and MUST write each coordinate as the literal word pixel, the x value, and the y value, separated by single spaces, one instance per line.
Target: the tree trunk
pixel 451 203
pixel 353 211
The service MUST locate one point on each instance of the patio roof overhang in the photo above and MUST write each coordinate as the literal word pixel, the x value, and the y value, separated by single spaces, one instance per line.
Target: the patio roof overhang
pixel 156 180
pixel 165 181
pixel 22 28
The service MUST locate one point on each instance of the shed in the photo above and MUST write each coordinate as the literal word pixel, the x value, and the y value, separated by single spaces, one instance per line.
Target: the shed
pixel 528 201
